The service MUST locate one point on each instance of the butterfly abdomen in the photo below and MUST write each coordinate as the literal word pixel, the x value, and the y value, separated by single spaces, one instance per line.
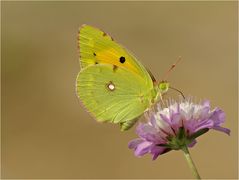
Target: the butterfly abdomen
pixel 124 126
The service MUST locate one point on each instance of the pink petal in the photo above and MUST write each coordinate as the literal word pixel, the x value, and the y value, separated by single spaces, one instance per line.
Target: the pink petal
pixel 134 143
pixel 142 148
pixel 222 129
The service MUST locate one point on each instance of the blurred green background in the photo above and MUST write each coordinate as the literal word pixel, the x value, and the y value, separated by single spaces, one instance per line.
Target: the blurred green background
pixel 45 131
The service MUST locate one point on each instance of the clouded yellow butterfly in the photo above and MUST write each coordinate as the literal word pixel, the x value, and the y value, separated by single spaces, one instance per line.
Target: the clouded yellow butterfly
pixel 113 86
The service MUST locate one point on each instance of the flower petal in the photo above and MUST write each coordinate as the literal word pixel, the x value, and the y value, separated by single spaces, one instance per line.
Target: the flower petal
pixel 142 148
pixel 206 103
pixel 192 143
pixel 176 121
pixel 218 117
pixel 165 119
pixel 207 123
pixel 134 143
pixel 204 112
pixel 149 133
pixel 153 121
pixel 222 129
pixel 156 151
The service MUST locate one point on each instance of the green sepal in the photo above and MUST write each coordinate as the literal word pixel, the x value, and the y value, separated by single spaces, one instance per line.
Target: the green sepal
pixel 198 133
pixel 181 133
pixel 182 139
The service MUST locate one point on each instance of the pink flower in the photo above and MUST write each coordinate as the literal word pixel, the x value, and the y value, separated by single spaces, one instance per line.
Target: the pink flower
pixel 176 126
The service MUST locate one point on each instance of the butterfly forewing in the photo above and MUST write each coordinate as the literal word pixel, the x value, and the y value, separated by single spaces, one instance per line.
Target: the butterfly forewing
pixel 97 47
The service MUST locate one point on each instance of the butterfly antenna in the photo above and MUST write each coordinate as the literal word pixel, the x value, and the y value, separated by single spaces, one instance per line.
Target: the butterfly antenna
pixel 151 75
pixel 171 68
pixel 168 72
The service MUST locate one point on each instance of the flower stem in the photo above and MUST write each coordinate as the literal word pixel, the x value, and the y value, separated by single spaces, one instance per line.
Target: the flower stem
pixel 190 162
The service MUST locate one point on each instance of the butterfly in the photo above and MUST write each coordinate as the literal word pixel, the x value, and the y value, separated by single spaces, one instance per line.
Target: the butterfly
pixel 112 84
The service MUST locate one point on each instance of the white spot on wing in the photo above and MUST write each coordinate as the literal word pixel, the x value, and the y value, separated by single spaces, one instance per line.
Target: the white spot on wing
pixel 111 86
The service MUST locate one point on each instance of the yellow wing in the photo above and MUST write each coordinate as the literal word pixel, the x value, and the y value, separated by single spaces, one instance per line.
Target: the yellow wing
pixel 97 47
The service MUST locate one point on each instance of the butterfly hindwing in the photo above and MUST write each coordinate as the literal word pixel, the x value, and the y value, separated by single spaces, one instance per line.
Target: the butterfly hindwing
pixel 114 96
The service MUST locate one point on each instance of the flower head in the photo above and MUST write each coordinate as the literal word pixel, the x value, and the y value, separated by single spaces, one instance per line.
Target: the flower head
pixel 176 126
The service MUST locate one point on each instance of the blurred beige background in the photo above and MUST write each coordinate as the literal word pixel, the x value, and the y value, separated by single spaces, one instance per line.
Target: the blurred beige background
pixel 45 131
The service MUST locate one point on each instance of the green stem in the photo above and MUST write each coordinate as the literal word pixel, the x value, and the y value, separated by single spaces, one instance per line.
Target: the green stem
pixel 191 163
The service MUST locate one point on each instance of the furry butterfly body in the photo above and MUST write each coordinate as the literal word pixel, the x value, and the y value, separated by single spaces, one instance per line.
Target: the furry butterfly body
pixel 112 85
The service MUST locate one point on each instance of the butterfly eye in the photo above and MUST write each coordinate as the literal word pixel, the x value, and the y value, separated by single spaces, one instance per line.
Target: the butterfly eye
pixel 122 59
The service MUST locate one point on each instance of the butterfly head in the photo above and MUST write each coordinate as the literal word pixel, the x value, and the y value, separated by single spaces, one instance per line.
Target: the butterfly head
pixel 163 87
